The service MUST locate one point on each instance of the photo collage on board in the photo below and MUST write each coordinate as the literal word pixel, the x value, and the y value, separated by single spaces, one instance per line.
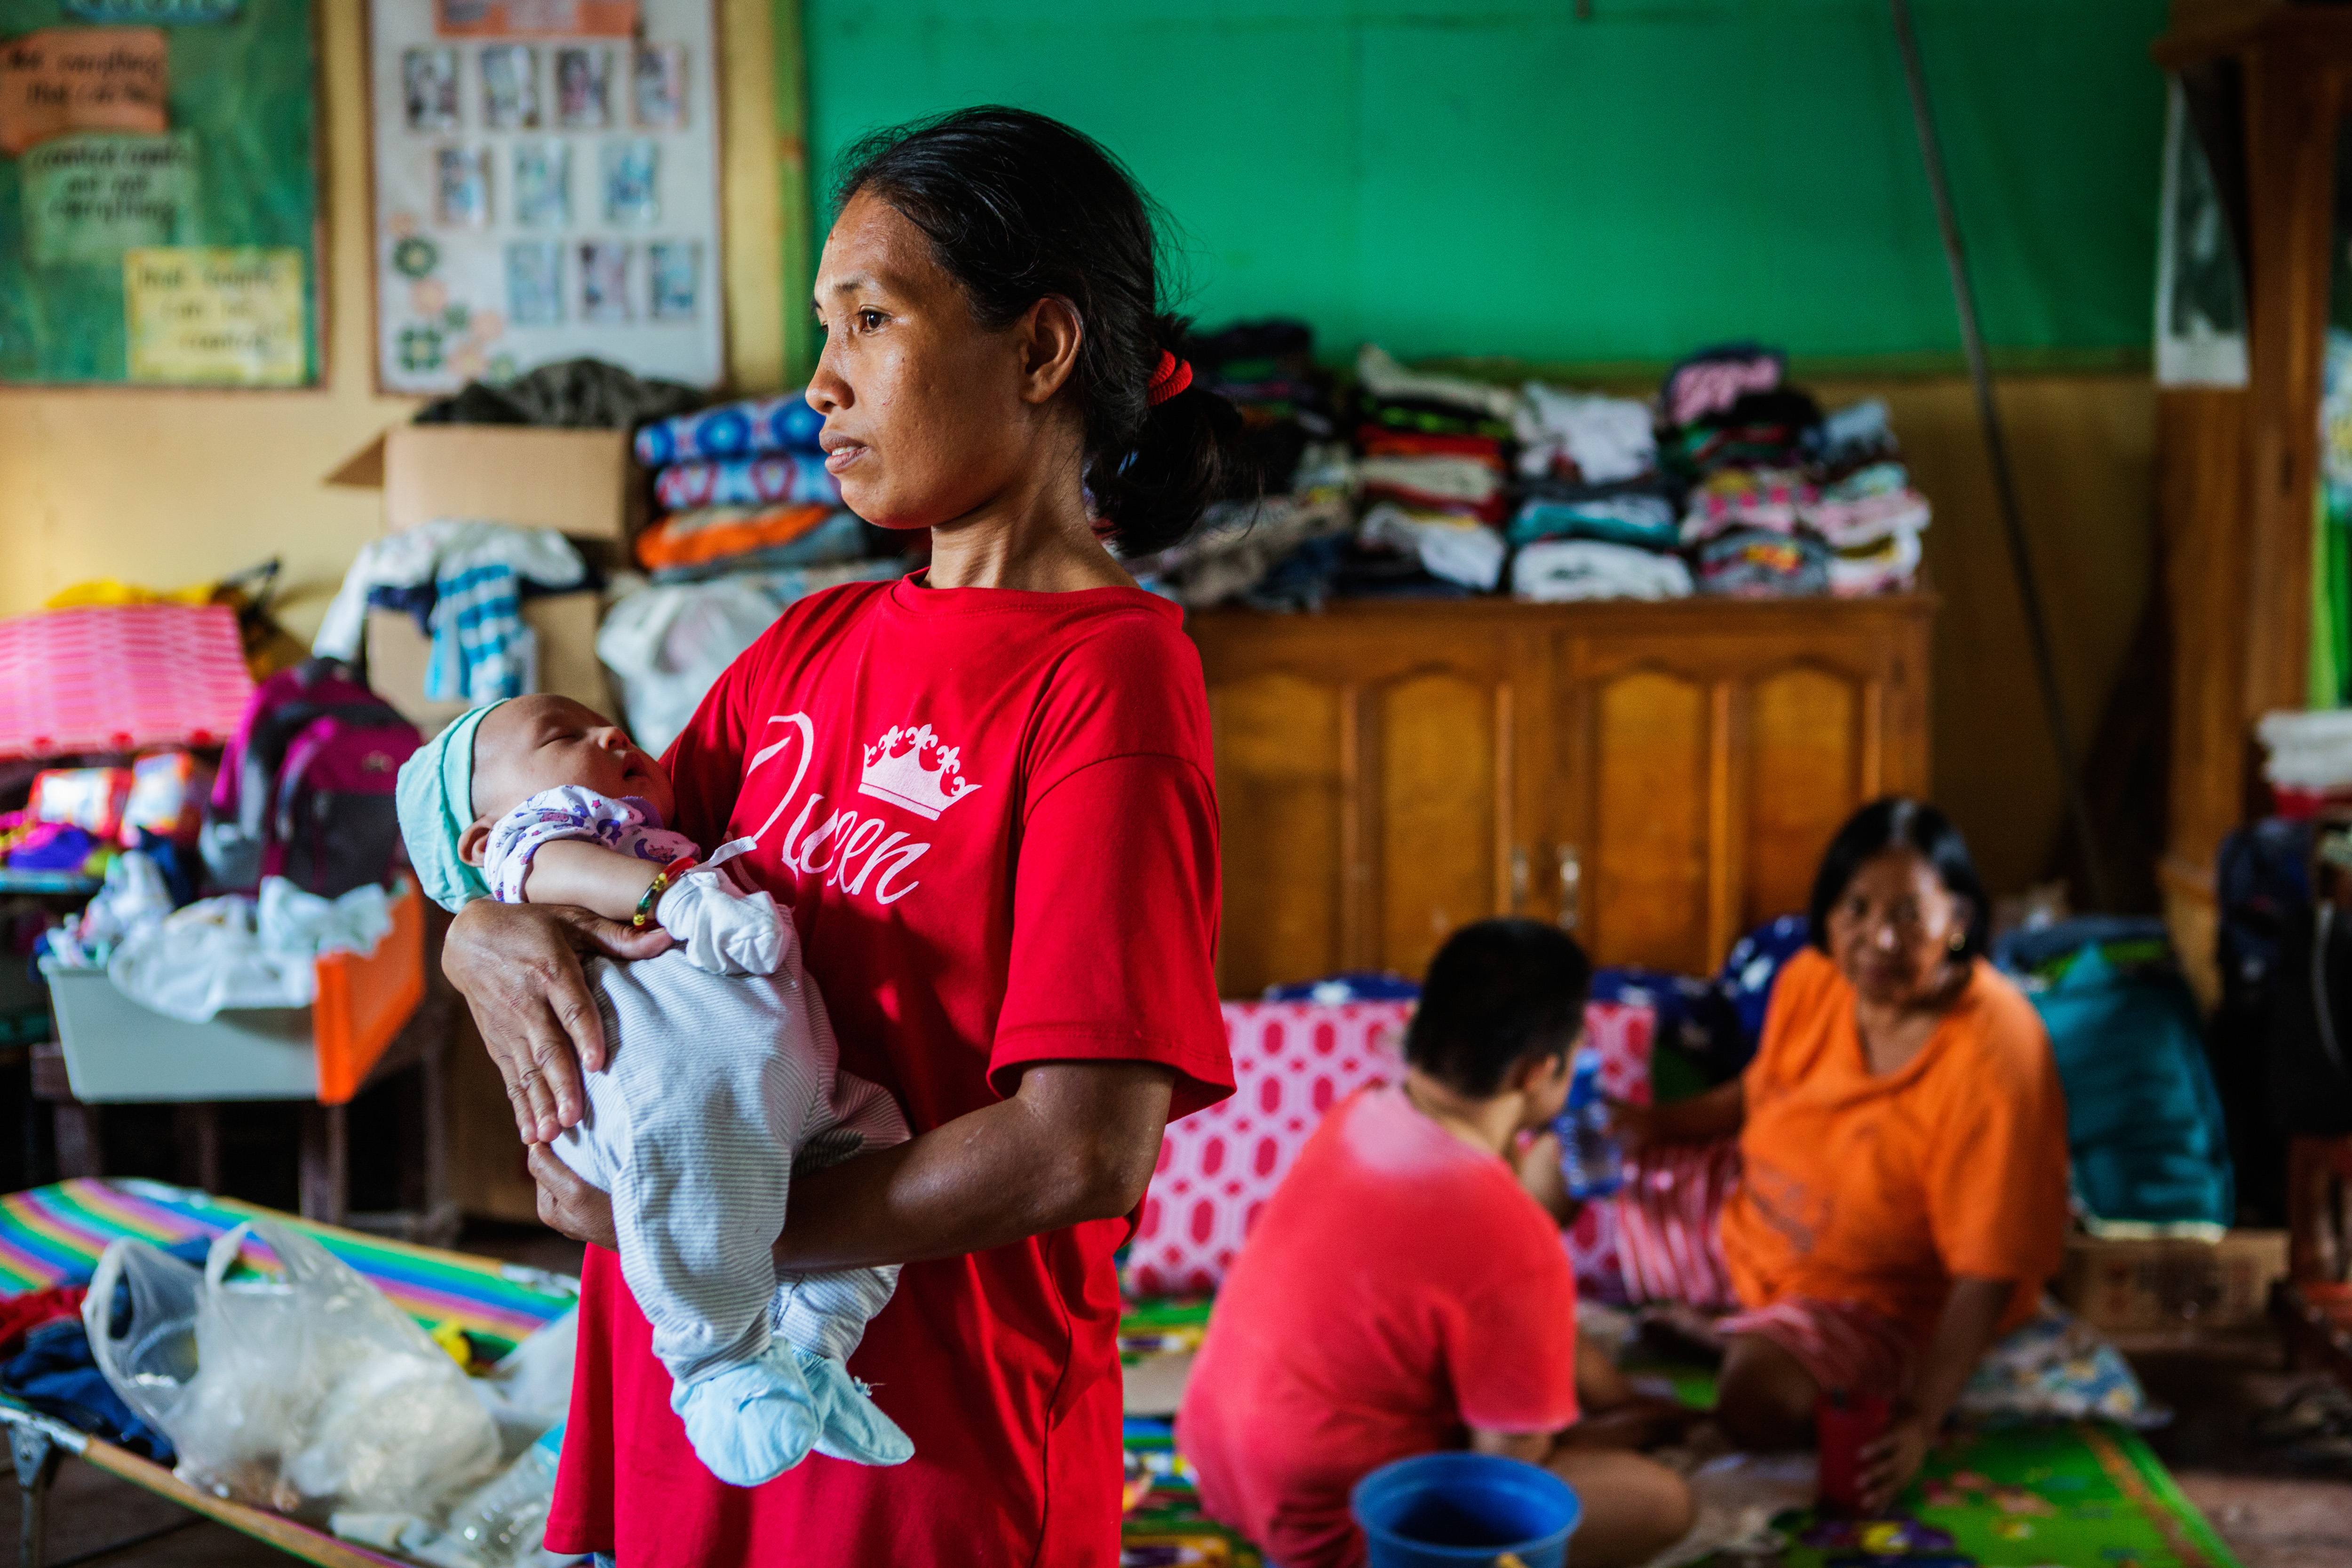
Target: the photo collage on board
pixel 551 151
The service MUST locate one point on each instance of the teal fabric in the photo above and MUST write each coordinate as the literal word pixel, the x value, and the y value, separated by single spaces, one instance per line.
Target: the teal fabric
pixel 2143 1119
pixel 435 792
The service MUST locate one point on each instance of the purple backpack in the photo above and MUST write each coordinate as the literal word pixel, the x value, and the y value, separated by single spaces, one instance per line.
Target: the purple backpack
pixel 305 791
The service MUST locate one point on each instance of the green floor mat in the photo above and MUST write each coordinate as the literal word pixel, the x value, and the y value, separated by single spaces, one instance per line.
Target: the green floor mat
pixel 2083 1495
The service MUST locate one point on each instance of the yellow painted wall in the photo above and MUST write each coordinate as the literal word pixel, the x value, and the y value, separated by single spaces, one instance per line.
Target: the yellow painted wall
pixel 165 488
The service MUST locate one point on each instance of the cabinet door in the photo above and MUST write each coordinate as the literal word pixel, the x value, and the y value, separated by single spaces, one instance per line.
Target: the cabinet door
pixel 1365 775
pixel 1704 774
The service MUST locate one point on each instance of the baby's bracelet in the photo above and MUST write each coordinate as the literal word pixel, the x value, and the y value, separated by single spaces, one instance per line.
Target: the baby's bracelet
pixel 655 888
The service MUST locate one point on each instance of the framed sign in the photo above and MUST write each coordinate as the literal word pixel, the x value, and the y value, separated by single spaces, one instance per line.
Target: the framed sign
pixel 158 192
pixel 546 186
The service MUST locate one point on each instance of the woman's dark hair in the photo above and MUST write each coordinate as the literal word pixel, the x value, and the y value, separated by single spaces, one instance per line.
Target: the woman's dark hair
pixel 1499 992
pixel 1019 208
pixel 1900 823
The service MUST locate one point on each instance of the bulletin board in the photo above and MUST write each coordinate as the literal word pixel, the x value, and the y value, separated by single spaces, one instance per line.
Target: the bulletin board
pixel 158 192
pixel 546 187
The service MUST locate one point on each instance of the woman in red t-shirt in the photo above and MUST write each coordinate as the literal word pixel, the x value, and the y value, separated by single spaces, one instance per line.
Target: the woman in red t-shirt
pixel 985 792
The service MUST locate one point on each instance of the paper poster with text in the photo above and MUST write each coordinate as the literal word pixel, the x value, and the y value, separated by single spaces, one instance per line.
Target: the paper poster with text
pixel 230 316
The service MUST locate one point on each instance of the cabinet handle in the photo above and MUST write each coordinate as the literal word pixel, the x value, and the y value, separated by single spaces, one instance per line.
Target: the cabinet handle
pixel 1518 878
pixel 1571 889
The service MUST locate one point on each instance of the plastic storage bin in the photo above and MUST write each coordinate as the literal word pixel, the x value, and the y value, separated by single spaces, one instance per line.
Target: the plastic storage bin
pixel 117 1050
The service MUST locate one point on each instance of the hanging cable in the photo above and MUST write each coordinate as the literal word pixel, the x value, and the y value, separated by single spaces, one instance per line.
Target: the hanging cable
pixel 2029 593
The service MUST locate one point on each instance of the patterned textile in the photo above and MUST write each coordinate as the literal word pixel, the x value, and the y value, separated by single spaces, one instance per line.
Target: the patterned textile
pixel 119 678
pixel 482 651
pixel 747 481
pixel 1843 1343
pixel 53 1235
pixel 782 424
pixel 1667 1246
pixel 1292 1062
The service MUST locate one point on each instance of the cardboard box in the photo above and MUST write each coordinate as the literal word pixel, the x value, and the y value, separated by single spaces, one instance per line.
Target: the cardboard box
pixel 584 483
pixel 566 626
pixel 2173 1284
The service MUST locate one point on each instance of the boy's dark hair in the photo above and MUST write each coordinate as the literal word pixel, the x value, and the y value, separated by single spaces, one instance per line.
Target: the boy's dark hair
pixel 1499 992
pixel 1019 207
pixel 1897 822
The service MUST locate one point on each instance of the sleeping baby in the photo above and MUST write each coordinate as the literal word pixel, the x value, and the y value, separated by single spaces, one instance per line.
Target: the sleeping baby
pixel 720 1077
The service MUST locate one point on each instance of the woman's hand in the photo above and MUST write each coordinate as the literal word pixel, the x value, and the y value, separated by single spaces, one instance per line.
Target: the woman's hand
pixel 570 1206
pixel 518 966
pixel 1890 1461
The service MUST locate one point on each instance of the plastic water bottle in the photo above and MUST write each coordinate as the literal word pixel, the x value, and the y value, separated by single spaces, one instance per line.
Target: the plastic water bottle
pixel 502 1523
pixel 1592 1161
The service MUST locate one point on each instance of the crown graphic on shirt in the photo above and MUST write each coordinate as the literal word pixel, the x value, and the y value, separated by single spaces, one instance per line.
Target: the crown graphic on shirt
pixel 914 768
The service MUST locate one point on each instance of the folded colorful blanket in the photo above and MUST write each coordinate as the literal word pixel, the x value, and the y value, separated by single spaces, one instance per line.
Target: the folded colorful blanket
pixel 747 481
pixel 707 534
pixel 782 424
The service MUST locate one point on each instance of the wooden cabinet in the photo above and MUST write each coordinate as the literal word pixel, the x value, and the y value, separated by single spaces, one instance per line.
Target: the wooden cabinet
pixel 1658 777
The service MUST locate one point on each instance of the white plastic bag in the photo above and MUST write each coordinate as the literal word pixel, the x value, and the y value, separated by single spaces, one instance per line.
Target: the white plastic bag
pixel 669 644
pixel 306 1393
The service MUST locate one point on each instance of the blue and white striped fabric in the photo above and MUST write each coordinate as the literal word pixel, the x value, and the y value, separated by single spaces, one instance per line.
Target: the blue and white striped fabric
pixel 481 650
pixel 747 429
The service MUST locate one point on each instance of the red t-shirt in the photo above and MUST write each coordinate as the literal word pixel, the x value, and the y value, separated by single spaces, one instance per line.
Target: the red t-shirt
pixel 991 813
pixel 1400 1288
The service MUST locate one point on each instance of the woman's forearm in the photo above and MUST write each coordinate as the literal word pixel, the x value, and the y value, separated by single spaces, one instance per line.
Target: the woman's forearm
pixel 1078 1141
pixel 1720 1112
pixel 1971 1320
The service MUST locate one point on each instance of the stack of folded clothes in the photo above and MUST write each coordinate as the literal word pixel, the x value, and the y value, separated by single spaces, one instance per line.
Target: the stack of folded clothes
pixel 743 487
pixel 1435 464
pixel 1598 519
pixel 1267 371
pixel 1777 498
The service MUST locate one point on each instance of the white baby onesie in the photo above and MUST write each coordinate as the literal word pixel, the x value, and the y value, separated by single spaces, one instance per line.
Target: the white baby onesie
pixel 721 1079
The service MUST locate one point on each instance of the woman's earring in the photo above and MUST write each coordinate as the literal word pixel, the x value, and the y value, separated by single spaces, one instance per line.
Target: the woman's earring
pixel 1959 940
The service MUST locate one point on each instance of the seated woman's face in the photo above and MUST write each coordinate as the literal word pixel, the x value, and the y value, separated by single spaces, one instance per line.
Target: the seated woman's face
pixel 1894 931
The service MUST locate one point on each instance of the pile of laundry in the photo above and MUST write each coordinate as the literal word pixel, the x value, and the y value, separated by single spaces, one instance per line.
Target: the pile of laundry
pixel 1729 481
pixel 1780 499
pixel 235 950
pixel 465 583
pixel 743 487
pixel 1288 406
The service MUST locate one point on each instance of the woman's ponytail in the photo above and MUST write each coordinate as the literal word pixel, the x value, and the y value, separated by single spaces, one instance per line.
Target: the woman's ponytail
pixel 1019 207
pixel 1186 457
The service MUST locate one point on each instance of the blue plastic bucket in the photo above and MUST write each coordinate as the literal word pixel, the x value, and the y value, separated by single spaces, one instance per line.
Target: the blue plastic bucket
pixel 1449 1510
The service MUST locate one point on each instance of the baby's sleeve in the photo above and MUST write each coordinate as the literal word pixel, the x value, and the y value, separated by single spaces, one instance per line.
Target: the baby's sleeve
pixel 571 812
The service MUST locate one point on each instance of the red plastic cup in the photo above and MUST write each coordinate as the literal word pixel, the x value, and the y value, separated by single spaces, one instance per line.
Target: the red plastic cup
pixel 1845 1424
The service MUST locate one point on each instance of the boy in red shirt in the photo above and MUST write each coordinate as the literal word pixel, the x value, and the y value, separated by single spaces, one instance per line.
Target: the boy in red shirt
pixel 1403 1294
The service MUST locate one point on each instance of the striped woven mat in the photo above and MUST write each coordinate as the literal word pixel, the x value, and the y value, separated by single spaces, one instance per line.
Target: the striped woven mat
pixel 53 1235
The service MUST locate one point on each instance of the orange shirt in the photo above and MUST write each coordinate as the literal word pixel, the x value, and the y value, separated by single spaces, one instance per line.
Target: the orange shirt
pixel 1879 1189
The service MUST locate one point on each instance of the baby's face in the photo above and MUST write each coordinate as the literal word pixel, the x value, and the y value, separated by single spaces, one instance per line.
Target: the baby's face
pixel 535 744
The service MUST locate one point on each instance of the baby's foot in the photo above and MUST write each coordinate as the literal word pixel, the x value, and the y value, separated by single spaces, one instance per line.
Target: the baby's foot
pixel 752 1421
pixel 854 1428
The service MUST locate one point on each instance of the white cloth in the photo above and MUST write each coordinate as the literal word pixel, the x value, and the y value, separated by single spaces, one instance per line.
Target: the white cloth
pixel 1383 377
pixel 1459 550
pixel 1569 569
pixel 667 647
pixel 1448 479
pixel 1607 439
pixel 228 952
pixel 421 554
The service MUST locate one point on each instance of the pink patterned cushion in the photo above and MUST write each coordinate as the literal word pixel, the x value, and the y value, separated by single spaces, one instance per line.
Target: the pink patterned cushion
pixel 1292 1062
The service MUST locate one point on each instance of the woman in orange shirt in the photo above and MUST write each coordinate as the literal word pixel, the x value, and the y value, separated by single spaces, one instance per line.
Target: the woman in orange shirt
pixel 1903 1137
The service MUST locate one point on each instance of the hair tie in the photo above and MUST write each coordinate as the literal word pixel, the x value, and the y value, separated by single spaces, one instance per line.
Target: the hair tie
pixel 1172 377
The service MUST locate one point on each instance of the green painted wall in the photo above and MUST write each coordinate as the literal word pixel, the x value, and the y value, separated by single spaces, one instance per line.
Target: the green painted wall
pixel 1503 178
